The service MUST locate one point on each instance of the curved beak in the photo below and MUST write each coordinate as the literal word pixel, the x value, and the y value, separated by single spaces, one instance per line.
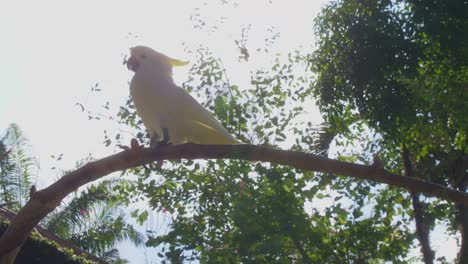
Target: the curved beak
pixel 132 64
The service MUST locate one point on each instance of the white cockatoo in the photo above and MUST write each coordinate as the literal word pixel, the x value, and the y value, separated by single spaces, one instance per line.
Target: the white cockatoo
pixel 169 113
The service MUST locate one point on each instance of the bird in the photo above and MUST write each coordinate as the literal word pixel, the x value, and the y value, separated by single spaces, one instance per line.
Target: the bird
pixel 170 114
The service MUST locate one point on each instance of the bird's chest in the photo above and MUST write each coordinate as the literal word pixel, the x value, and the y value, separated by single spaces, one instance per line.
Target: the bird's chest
pixel 146 89
pixel 152 98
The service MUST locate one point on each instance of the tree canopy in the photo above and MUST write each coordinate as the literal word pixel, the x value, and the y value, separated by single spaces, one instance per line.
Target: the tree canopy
pixel 399 67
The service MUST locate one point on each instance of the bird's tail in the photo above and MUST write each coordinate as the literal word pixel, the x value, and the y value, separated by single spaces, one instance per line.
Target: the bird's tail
pixel 206 134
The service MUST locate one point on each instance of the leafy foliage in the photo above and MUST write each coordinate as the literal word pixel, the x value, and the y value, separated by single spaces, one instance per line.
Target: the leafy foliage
pixel 377 63
pixel 40 250
pixel 399 67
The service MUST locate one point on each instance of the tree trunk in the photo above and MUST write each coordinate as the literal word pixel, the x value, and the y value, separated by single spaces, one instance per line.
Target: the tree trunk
pixel 459 170
pixel 463 218
pixel 422 229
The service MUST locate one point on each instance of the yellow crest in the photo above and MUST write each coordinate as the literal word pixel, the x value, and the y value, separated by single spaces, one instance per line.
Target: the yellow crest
pixel 176 63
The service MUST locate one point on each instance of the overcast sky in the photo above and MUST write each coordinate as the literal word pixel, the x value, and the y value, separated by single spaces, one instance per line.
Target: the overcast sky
pixel 53 52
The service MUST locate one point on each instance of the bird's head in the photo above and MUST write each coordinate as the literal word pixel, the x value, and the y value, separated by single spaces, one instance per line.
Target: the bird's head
pixel 141 55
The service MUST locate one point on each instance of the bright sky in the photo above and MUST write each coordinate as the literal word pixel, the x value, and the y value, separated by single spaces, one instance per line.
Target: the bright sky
pixel 53 52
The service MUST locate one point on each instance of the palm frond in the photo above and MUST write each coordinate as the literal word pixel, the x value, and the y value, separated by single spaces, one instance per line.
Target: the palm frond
pixel 322 136
pixel 70 218
pixel 103 237
pixel 19 167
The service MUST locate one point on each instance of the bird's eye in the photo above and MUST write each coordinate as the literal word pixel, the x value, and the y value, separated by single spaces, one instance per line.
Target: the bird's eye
pixel 143 56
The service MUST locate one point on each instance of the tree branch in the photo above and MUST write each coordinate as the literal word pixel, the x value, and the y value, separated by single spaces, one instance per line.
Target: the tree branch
pixel 44 201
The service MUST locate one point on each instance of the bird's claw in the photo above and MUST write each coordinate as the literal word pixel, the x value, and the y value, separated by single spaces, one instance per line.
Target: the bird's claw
pixel 154 143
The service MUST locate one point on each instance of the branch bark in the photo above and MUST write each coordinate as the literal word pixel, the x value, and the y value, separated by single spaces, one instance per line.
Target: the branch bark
pixel 44 201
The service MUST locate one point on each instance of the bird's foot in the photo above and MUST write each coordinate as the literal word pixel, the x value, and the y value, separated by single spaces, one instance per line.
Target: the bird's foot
pixel 154 143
